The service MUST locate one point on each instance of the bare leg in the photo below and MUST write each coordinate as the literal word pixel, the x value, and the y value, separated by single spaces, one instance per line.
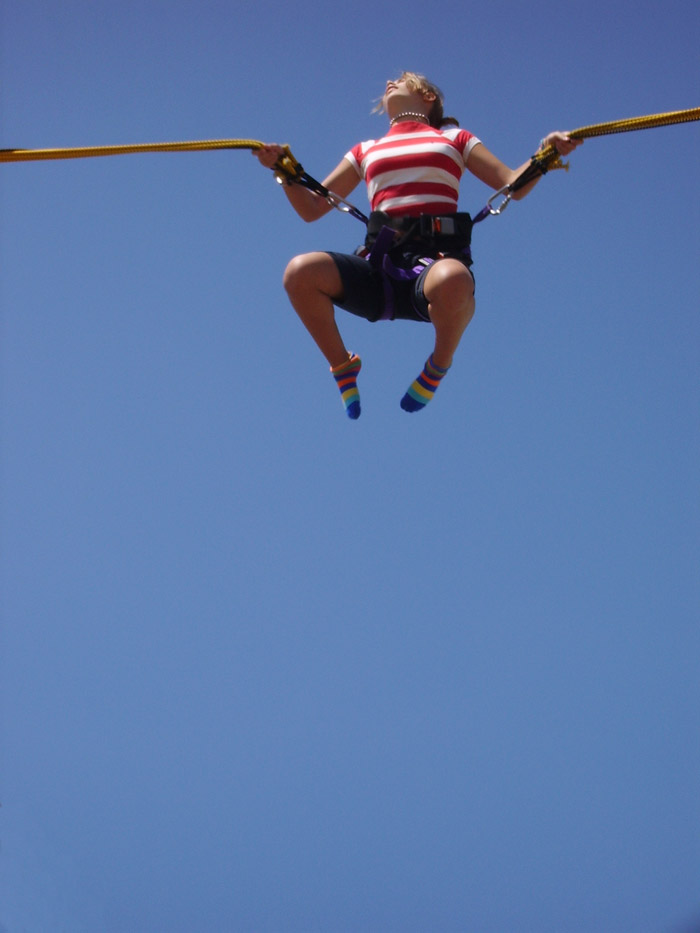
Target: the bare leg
pixel 449 288
pixel 312 282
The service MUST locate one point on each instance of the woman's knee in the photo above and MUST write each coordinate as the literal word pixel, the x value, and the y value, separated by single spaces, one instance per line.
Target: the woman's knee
pixel 449 276
pixel 314 271
pixel 449 289
pixel 296 272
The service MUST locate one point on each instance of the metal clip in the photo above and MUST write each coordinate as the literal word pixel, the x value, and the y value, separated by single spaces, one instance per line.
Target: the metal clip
pixel 340 204
pixel 506 194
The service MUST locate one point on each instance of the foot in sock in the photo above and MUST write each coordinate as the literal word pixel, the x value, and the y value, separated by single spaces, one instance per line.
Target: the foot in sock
pixel 423 388
pixel 345 376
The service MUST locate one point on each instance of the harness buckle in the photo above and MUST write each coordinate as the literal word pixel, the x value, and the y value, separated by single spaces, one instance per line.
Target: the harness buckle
pixel 431 226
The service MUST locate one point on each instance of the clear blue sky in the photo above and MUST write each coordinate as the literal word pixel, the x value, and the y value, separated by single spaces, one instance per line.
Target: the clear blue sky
pixel 266 669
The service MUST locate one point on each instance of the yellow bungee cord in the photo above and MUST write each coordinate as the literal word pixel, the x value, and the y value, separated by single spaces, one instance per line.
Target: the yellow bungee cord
pixel 82 152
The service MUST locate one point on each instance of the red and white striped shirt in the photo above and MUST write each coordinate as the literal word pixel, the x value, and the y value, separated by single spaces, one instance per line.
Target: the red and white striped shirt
pixel 414 169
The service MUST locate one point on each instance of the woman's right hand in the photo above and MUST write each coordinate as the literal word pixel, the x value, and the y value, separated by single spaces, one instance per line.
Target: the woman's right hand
pixel 269 154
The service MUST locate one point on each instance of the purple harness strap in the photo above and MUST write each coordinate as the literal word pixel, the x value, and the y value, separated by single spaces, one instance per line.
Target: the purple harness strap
pixel 391 271
pixel 380 260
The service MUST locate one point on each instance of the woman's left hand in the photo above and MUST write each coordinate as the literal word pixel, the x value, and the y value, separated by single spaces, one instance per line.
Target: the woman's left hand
pixel 562 142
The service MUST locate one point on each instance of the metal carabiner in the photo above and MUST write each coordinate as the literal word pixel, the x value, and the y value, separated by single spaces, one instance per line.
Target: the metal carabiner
pixel 340 204
pixel 506 193
pixel 288 171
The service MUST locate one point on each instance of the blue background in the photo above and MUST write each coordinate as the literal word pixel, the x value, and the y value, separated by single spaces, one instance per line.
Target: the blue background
pixel 266 669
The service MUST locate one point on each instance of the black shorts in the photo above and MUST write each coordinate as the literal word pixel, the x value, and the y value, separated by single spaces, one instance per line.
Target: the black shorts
pixel 364 290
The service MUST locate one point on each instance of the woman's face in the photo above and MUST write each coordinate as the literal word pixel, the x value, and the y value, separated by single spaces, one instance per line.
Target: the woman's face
pixel 396 88
pixel 399 95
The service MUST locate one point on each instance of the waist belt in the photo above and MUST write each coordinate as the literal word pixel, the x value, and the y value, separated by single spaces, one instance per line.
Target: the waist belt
pixel 443 233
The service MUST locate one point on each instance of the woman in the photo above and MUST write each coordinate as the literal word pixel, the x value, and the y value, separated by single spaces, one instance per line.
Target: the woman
pixel 414 170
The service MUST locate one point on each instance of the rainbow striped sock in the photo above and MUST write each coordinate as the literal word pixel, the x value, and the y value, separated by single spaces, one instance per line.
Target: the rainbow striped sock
pixel 423 388
pixel 346 377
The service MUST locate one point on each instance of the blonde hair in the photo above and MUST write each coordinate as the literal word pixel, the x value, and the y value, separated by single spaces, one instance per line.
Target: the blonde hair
pixel 418 82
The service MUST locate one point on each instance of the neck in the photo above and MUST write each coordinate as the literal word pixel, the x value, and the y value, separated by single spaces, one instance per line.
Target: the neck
pixel 408 115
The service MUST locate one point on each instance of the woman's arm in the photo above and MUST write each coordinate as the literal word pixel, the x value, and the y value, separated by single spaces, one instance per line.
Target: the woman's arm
pixel 308 205
pixel 489 169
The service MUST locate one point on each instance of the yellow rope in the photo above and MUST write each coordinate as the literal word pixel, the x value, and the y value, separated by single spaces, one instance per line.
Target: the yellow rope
pixel 550 156
pixel 29 155
pixel 637 123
